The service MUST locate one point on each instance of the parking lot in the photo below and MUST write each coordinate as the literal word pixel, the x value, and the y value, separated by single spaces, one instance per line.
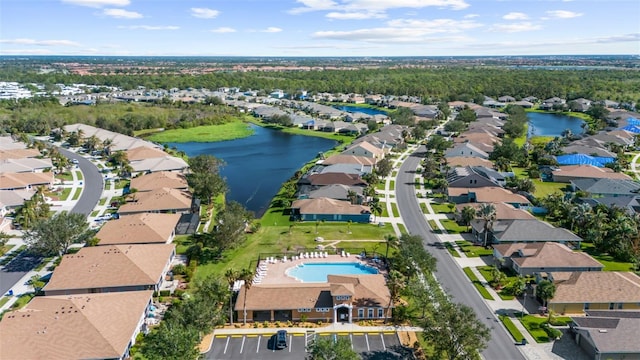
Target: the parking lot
pixel 370 345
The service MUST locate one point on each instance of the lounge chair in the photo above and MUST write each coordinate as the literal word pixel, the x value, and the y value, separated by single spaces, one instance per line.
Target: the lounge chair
pixel 284 258
pixel 325 254
pixel 348 254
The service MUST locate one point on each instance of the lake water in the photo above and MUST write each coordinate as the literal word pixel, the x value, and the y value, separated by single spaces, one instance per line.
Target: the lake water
pixel 365 110
pixel 547 124
pixel 256 166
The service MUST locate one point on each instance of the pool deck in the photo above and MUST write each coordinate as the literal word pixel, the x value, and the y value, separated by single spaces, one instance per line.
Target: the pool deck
pixel 276 272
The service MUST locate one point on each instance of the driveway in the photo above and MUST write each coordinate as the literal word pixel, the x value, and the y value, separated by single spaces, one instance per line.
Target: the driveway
pixel 370 346
pixel 449 274
pixel 93 183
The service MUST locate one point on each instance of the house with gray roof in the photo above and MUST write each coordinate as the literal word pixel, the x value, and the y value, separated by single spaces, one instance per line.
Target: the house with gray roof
pixel 347 169
pixel 608 335
pixel 470 178
pixel 335 191
pixel 523 231
pixel 466 149
pixel 631 204
pixel 606 187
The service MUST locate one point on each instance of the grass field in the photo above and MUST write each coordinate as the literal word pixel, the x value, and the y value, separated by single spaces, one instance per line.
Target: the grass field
pixel 64 194
pixel 543 188
pixel 452 227
pixel 473 250
pixel 605 259
pixel 513 330
pixel 79 175
pixel 394 209
pixel 441 208
pixel 65 176
pixel 229 131
pixel 481 289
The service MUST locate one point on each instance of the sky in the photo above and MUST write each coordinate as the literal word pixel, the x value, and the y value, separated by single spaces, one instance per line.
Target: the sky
pixel 319 27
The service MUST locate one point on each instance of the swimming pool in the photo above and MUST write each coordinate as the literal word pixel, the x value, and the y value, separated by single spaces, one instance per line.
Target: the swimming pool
pixel 317 272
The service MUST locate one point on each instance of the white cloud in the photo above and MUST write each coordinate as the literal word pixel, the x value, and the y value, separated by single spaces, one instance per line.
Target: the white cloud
pixel 355 15
pixel 98 3
pixel 405 31
pixel 563 14
pixel 271 29
pixel 26 51
pixel 515 27
pixel 471 16
pixel 374 6
pixel 515 16
pixel 149 27
pixel 122 14
pixel 39 42
pixel 222 30
pixel 204 13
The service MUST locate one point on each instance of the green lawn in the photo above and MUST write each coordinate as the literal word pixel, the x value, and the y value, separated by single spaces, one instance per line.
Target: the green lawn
pixel 486 273
pixel 385 212
pixel 79 175
pixel 473 250
pixel 380 186
pixel 102 201
pixel 403 229
pixel 452 227
pixel 434 227
pixel 282 239
pixel 441 208
pixel 64 194
pixel 451 250
pixel 543 188
pixel 5 248
pixel 392 185
pixel 533 324
pixel 605 259
pixel 4 300
pixel 513 330
pixel 66 176
pixel 424 208
pixel 394 209
pixel 210 133
pixel 481 289
pixel 120 184
pixel 94 213
pixel 22 301
pixel 77 194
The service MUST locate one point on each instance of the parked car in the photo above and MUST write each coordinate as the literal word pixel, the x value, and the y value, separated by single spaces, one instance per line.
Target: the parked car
pixel 281 339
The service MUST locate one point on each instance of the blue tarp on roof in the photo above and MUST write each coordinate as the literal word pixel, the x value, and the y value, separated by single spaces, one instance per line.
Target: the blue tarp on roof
pixel 632 128
pixel 633 121
pixel 582 159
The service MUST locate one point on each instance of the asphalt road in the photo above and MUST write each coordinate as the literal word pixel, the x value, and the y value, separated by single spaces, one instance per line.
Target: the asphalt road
pixel 449 274
pixel 93 184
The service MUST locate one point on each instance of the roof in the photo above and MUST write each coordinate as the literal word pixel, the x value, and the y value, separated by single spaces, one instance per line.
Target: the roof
pixel 503 211
pixel 162 199
pixel 25 179
pixel 8 143
pixel 336 178
pixel 589 171
pixel 166 163
pixel 462 161
pixel 546 254
pixel 335 191
pixel 119 141
pixel 598 287
pixel 140 228
pixel 366 146
pixel 367 290
pixel 144 152
pixel 328 206
pixel 577 159
pixel 610 335
pixel 25 164
pixel 349 159
pixel 489 194
pixel 18 153
pixel 519 230
pixel 111 266
pixel 91 326
pixel 607 186
pixel 14 198
pixel 160 179
pixel 473 150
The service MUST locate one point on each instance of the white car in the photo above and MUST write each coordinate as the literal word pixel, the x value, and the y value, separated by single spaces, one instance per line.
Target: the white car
pixel 75 161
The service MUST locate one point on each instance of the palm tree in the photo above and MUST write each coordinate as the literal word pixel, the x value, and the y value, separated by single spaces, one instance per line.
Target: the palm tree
pixel 91 143
pixel 107 144
pixel 376 207
pixel 231 275
pixel 487 213
pixel 391 241
pixel 246 275
pixel 352 196
pixel 545 291
pixel 395 282
pixel 468 213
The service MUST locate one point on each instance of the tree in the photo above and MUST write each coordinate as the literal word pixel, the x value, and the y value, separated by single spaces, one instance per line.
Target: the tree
pixel 36 283
pixel 53 236
pixel 384 167
pixel 205 163
pixel 392 242
pixel 455 332
pixel 466 115
pixel 246 275
pixel 171 340
pixel 206 185
pixel 545 290
pixel 395 282
pixel 332 348
pixel 376 207
pixel 231 222
pixel 487 213
pixel 468 213
pixel 231 275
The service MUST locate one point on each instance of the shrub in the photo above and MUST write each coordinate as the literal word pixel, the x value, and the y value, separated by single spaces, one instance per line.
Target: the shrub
pixel 178 293
pixel 179 269
pixel 255 325
pixel 165 293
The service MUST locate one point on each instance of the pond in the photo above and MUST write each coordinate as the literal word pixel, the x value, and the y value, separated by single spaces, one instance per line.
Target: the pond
pixel 368 111
pixel 548 124
pixel 256 166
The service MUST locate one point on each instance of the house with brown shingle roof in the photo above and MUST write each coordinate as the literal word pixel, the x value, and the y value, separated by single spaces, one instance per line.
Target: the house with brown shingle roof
pixel 597 290
pixel 165 163
pixel 88 326
pixel 143 228
pixel 364 149
pixel 144 152
pixel 25 180
pixel 348 159
pixel 566 174
pixel 534 258
pixel 325 179
pixel 6 154
pixel 486 194
pixel 113 268
pixel 25 165
pixel 503 211
pixel 342 298
pixel 161 200
pixel 160 179
pixel 462 161
pixel 326 209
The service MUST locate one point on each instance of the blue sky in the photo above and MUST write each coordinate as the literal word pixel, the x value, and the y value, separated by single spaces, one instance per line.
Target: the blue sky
pixel 319 27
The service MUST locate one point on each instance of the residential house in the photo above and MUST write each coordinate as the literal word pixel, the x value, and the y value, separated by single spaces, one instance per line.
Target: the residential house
pixel 166 163
pixel 348 159
pixel 25 165
pixel 425 111
pixel 550 103
pixel 607 334
pixel 88 326
pixel 344 298
pixel 13 199
pixel 506 99
pixel 326 209
pixel 466 150
pixel 365 149
pixel 580 105
pixel 114 268
pixel 525 104
pixel 325 179
pixel 17 153
pixel 468 177
pixel 143 228
pixel 531 99
pixel 487 194
pixel 618 137
pixel 118 141
pixel 534 258
pixel 566 174
pixel 606 187
pixel 582 159
pixel 352 194
pixel 25 180
pixel 335 126
pixel 523 231
pixel 143 153
pixel 580 291
pixel 163 200
pixel 346 168
pixel 160 179
pixel 631 204
pixel 503 211
pixel 464 161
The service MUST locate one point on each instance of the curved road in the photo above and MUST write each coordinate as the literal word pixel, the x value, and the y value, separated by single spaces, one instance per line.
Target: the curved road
pixel 93 183
pixel 449 274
